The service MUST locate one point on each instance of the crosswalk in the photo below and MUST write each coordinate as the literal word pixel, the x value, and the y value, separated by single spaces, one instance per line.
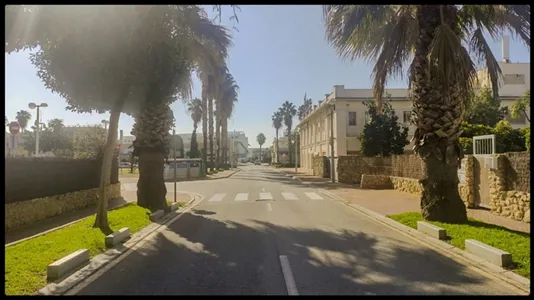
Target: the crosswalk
pixel 264 196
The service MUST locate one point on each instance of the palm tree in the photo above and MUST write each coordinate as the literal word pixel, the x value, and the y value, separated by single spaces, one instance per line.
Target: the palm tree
pixel 261 140
pixel 277 119
pixel 228 94
pixel 288 113
pixel 441 74
pixel 198 42
pixel 194 108
pixel 56 125
pixel 305 108
pixel 23 117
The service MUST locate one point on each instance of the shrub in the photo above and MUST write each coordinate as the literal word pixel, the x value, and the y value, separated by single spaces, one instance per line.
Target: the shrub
pixel 508 138
pixel 526 133
pixel 467 145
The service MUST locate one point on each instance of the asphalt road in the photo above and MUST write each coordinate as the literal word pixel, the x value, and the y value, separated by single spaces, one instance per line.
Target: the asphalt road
pixel 261 233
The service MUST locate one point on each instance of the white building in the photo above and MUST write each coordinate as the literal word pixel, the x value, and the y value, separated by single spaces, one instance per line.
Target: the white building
pixel 342 115
pixel 283 148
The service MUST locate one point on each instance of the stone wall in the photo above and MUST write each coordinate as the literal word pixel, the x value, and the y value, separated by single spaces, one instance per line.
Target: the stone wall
pixel 30 211
pixel 351 168
pixel 407 166
pixel 407 185
pixel 517 171
pixel 319 167
pixel 505 202
pixel 376 182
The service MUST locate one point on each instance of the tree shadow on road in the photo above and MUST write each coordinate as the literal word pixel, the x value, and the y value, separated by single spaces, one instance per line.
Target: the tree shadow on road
pixel 200 255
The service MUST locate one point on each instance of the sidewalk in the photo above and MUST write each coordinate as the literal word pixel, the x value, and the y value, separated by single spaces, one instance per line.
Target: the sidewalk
pixel 63 219
pixel 223 174
pixel 391 202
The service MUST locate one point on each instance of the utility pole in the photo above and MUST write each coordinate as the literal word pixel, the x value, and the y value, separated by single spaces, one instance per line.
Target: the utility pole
pixel 37 124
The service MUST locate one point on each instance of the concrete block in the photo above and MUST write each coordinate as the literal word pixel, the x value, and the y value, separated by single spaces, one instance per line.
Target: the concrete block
pixel 432 230
pixel 117 237
pixel 69 263
pixel 489 253
pixel 174 206
pixel 156 215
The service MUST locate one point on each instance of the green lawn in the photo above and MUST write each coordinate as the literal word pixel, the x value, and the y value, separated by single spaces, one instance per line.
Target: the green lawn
pixel 514 242
pixel 180 203
pixel 26 262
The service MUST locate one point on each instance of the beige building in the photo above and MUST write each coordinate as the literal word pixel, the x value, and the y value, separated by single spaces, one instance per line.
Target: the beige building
pixel 283 144
pixel 342 114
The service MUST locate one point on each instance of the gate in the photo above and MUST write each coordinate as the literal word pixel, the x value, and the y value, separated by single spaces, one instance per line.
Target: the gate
pixel 484 148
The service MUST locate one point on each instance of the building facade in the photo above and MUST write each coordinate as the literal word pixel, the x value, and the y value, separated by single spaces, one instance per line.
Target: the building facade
pixel 341 115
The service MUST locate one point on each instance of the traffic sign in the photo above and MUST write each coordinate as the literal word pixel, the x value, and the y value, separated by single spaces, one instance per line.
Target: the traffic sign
pixel 14 127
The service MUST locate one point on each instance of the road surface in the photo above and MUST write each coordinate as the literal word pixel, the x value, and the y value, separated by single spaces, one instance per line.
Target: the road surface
pixel 261 233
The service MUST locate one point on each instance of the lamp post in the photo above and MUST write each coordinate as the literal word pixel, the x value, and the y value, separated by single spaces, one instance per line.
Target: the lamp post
pixel 35 106
pixel 174 151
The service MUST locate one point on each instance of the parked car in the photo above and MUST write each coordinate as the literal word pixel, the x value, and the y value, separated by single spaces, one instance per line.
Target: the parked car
pixel 257 162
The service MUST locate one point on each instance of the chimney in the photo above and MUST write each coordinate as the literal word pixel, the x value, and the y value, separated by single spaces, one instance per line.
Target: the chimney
pixel 506 49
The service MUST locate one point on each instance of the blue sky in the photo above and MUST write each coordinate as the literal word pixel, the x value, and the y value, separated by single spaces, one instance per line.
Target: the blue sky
pixel 279 53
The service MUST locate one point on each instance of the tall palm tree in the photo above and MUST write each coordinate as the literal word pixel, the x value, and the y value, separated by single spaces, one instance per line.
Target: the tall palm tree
pixel 217 117
pixel 288 113
pixel 441 74
pixel 197 40
pixel 23 117
pixel 261 140
pixel 228 97
pixel 56 125
pixel 305 108
pixel 277 120
pixel 194 108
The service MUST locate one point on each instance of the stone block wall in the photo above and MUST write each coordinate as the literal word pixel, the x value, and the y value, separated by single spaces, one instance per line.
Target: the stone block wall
pixel 30 211
pixel 351 168
pixel 407 166
pixel 319 167
pixel 504 200
pixel 376 182
pixel 407 185
pixel 517 171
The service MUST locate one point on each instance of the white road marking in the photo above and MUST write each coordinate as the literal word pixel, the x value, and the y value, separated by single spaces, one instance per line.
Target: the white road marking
pixel 266 196
pixel 314 196
pixel 217 197
pixel 241 197
pixel 269 208
pixel 288 277
pixel 290 196
pixel 263 189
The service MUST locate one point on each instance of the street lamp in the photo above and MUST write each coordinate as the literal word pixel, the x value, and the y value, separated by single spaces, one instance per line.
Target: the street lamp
pixel 34 106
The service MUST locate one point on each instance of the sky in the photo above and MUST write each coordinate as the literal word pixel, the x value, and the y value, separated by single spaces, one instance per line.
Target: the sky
pixel 280 53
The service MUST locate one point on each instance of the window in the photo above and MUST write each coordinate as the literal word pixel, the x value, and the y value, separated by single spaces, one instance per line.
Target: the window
pixel 407 116
pixel 518 121
pixel 352 118
pixel 514 79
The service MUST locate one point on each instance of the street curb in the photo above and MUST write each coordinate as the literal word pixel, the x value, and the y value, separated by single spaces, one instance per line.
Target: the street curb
pixel 61 226
pixel 485 268
pixel 98 262
pixel 223 177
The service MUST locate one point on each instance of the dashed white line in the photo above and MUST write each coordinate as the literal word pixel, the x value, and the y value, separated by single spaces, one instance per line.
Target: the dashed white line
pixel 288 277
pixel 217 197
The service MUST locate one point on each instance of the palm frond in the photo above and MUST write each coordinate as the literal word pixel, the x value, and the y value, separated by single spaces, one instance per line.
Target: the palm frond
pixel 483 53
pixel 452 64
pixel 399 38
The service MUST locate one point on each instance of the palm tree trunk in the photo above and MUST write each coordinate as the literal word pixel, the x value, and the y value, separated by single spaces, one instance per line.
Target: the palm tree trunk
pixel 205 126
pixel 151 190
pixel 441 153
pixel 225 141
pixel 289 144
pixel 101 220
pixel 210 131
pixel 218 138
pixel 277 149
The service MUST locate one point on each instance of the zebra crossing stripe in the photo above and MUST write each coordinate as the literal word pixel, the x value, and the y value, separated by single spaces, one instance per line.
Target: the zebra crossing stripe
pixel 241 197
pixel 289 196
pixel 217 197
pixel 266 196
pixel 314 196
